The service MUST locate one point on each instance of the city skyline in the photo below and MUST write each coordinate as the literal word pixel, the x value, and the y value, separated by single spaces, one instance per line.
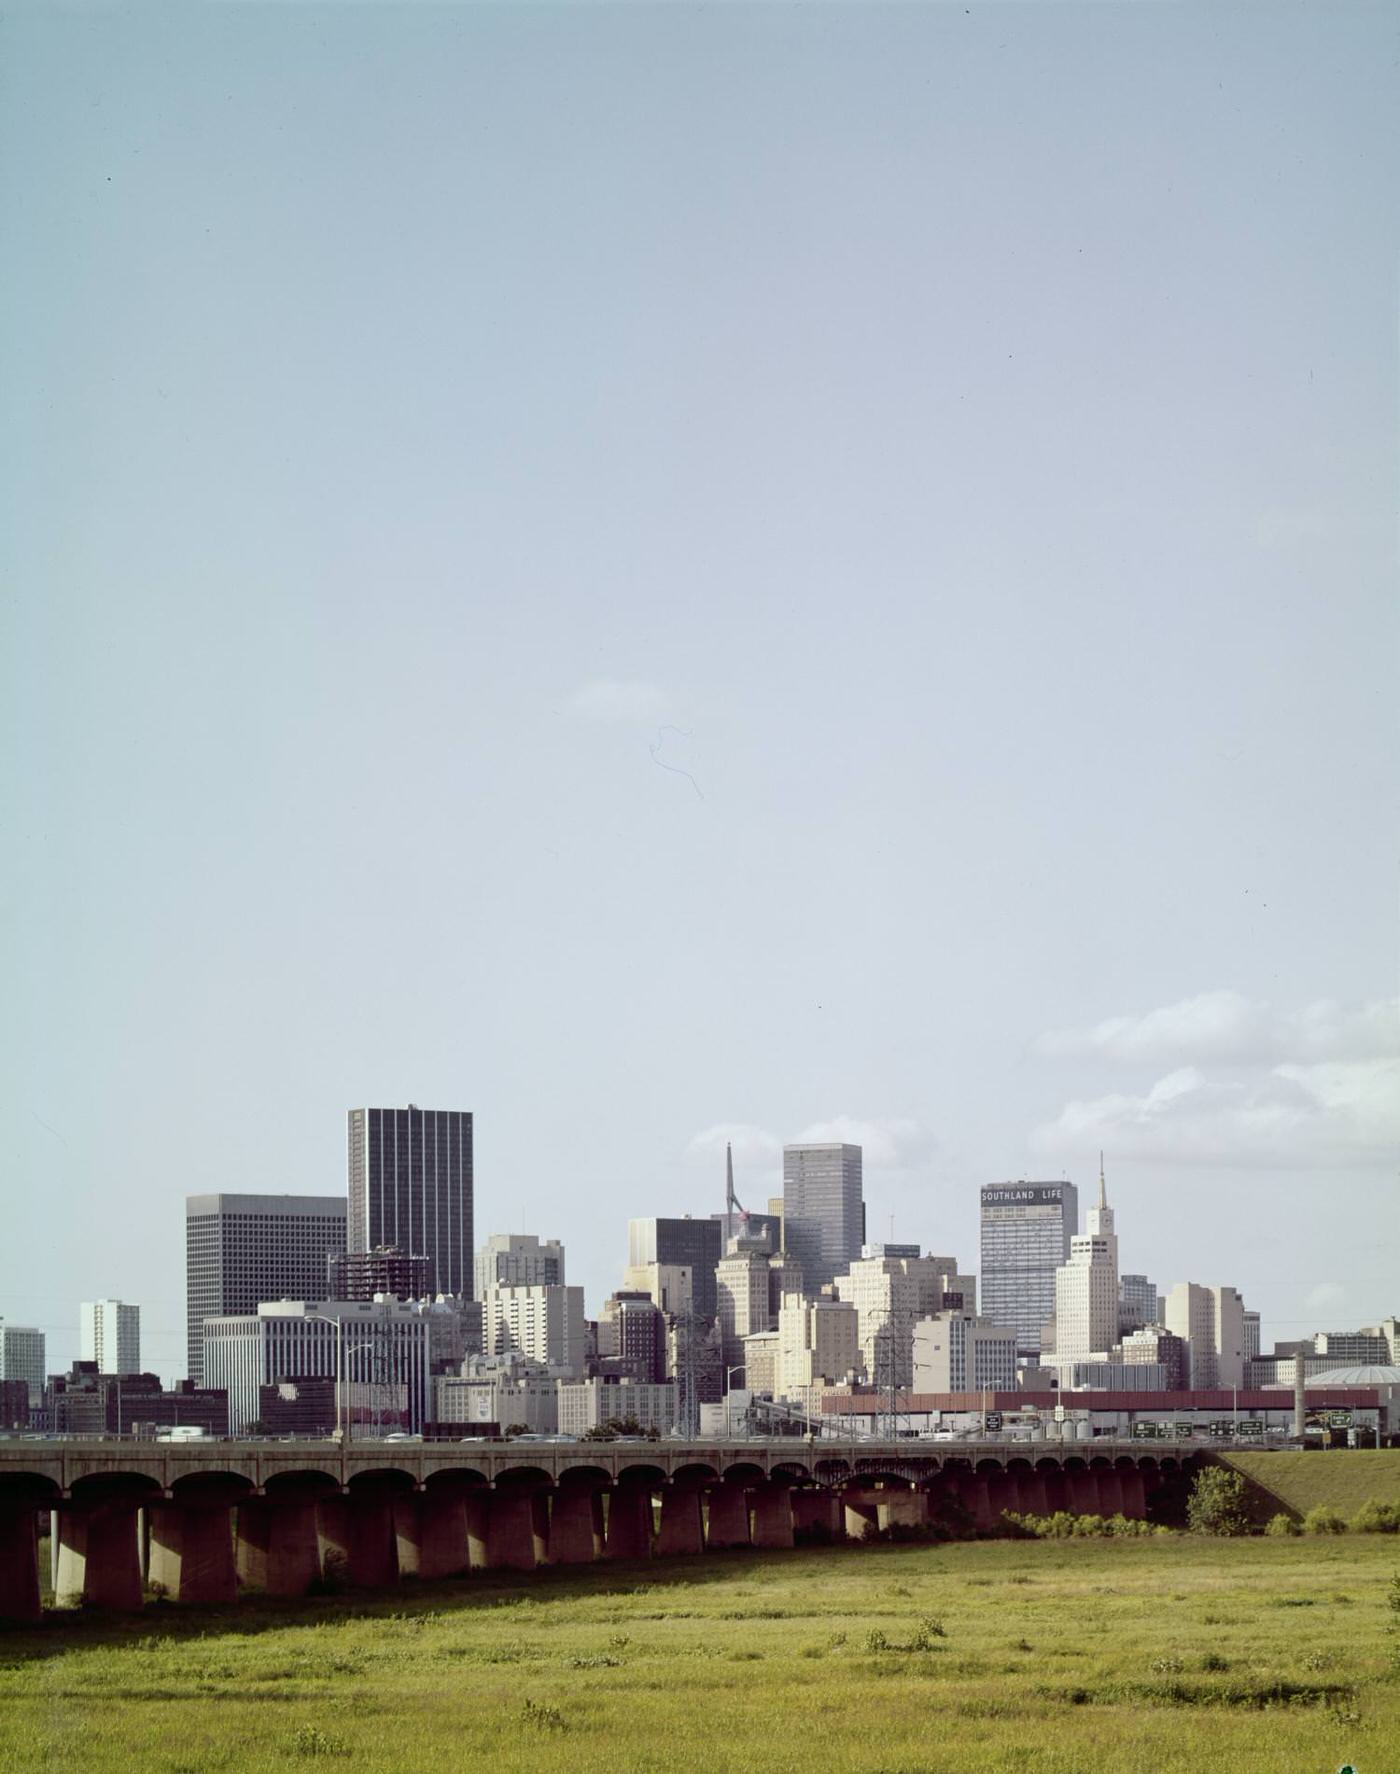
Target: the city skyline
pixel 826 576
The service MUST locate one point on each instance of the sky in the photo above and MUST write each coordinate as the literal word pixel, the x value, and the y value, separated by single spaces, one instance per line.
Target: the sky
pixel 671 574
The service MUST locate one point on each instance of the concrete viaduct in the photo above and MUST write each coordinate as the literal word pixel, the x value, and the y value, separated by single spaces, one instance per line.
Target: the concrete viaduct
pixel 205 1520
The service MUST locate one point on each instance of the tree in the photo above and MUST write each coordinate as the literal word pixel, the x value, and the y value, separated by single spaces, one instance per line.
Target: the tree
pixel 1216 1504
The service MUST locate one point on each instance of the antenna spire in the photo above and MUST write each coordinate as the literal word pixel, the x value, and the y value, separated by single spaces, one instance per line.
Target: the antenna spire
pixel 1103 1196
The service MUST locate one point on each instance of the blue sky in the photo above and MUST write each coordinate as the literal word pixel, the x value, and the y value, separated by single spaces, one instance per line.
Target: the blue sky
pixel 671 573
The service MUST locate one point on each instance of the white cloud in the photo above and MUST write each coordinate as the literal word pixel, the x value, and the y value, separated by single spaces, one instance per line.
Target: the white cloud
pixel 1326 1293
pixel 895 1143
pixel 754 1149
pixel 1225 1027
pixel 607 699
pixel 1293 1116
pixel 887 1145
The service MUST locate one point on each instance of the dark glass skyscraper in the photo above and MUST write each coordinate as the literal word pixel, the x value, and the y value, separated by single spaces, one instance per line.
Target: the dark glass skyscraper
pixel 411 1186
pixel 823 1210
pixel 1026 1233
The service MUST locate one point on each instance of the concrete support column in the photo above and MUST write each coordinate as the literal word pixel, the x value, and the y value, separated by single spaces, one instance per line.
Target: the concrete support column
pixel 1003 1494
pixel 510 1532
pixel 443 1550
pixel 477 1508
pixel 1110 1491
pixel 861 1511
pixel 373 1554
pixel 817 1509
pixel 1033 1495
pixel 772 1515
pixel 1134 1489
pixel 1056 1495
pixel 975 1492
pixel 728 1512
pixel 1081 1492
pixel 276 1546
pixel 98 1562
pixel 19 1563
pixel 575 1527
pixel 682 1530
pixel 406 1513
pixel 333 1536
pixel 629 1522
pixel 903 1509
pixel 190 1551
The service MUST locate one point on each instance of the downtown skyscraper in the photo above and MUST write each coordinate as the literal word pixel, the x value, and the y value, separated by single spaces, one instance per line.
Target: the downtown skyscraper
pixel 411 1186
pixel 823 1210
pixel 1027 1229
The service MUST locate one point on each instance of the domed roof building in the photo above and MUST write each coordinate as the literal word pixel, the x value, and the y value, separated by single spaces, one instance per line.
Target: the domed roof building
pixel 1356 1376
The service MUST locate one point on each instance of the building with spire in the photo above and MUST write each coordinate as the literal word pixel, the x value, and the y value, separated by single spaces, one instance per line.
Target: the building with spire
pixel 1086 1287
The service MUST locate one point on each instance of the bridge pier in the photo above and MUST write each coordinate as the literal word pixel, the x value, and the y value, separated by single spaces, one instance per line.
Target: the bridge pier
pixel 682 1530
pixel 905 1509
pixel 1055 1493
pixel 276 1545
pixel 1031 1486
pixel 19 1563
pixel 98 1563
pixel 190 1551
pixel 819 1510
pixel 357 1538
pixel 1003 1495
pixel 575 1526
pixel 1081 1492
pixel 407 1523
pixel 728 1511
pixel 861 1513
pixel 1110 1491
pixel 772 1515
pixel 442 1545
pixel 1130 1481
pixel 477 1507
pixel 510 1532
pixel 629 1521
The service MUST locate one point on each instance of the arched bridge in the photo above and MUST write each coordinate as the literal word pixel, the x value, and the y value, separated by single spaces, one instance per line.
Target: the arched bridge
pixel 202 1521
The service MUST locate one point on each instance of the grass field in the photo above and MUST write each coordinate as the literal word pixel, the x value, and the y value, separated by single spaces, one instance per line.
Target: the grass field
pixel 1343 1477
pixel 1044 1657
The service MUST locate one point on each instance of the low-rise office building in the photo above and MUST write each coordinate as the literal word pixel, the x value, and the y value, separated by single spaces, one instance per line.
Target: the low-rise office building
pixel 592 1404
pixel 377 1350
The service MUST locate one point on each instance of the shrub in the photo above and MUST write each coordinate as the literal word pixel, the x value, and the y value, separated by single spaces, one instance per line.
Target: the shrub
pixel 1324 1519
pixel 311 1740
pixel 1216 1504
pixel 1214 1661
pixel 1376 1518
pixel 1282 1526
pixel 1166 1666
pixel 875 1640
pixel 544 1718
pixel 925 1633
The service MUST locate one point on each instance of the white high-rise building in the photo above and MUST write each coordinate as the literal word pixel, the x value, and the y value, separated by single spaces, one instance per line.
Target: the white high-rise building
pixel 111 1336
pixel 817 1340
pixel 542 1323
pixel 890 1295
pixel 22 1357
pixel 742 1296
pixel 1086 1288
pixel 1210 1321
pixel 518 1259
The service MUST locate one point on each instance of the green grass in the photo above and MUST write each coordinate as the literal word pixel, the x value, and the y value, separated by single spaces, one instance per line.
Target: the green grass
pixel 1297 1482
pixel 991 1657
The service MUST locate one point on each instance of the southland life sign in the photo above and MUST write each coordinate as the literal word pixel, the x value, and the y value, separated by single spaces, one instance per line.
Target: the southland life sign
pixel 1023 1194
